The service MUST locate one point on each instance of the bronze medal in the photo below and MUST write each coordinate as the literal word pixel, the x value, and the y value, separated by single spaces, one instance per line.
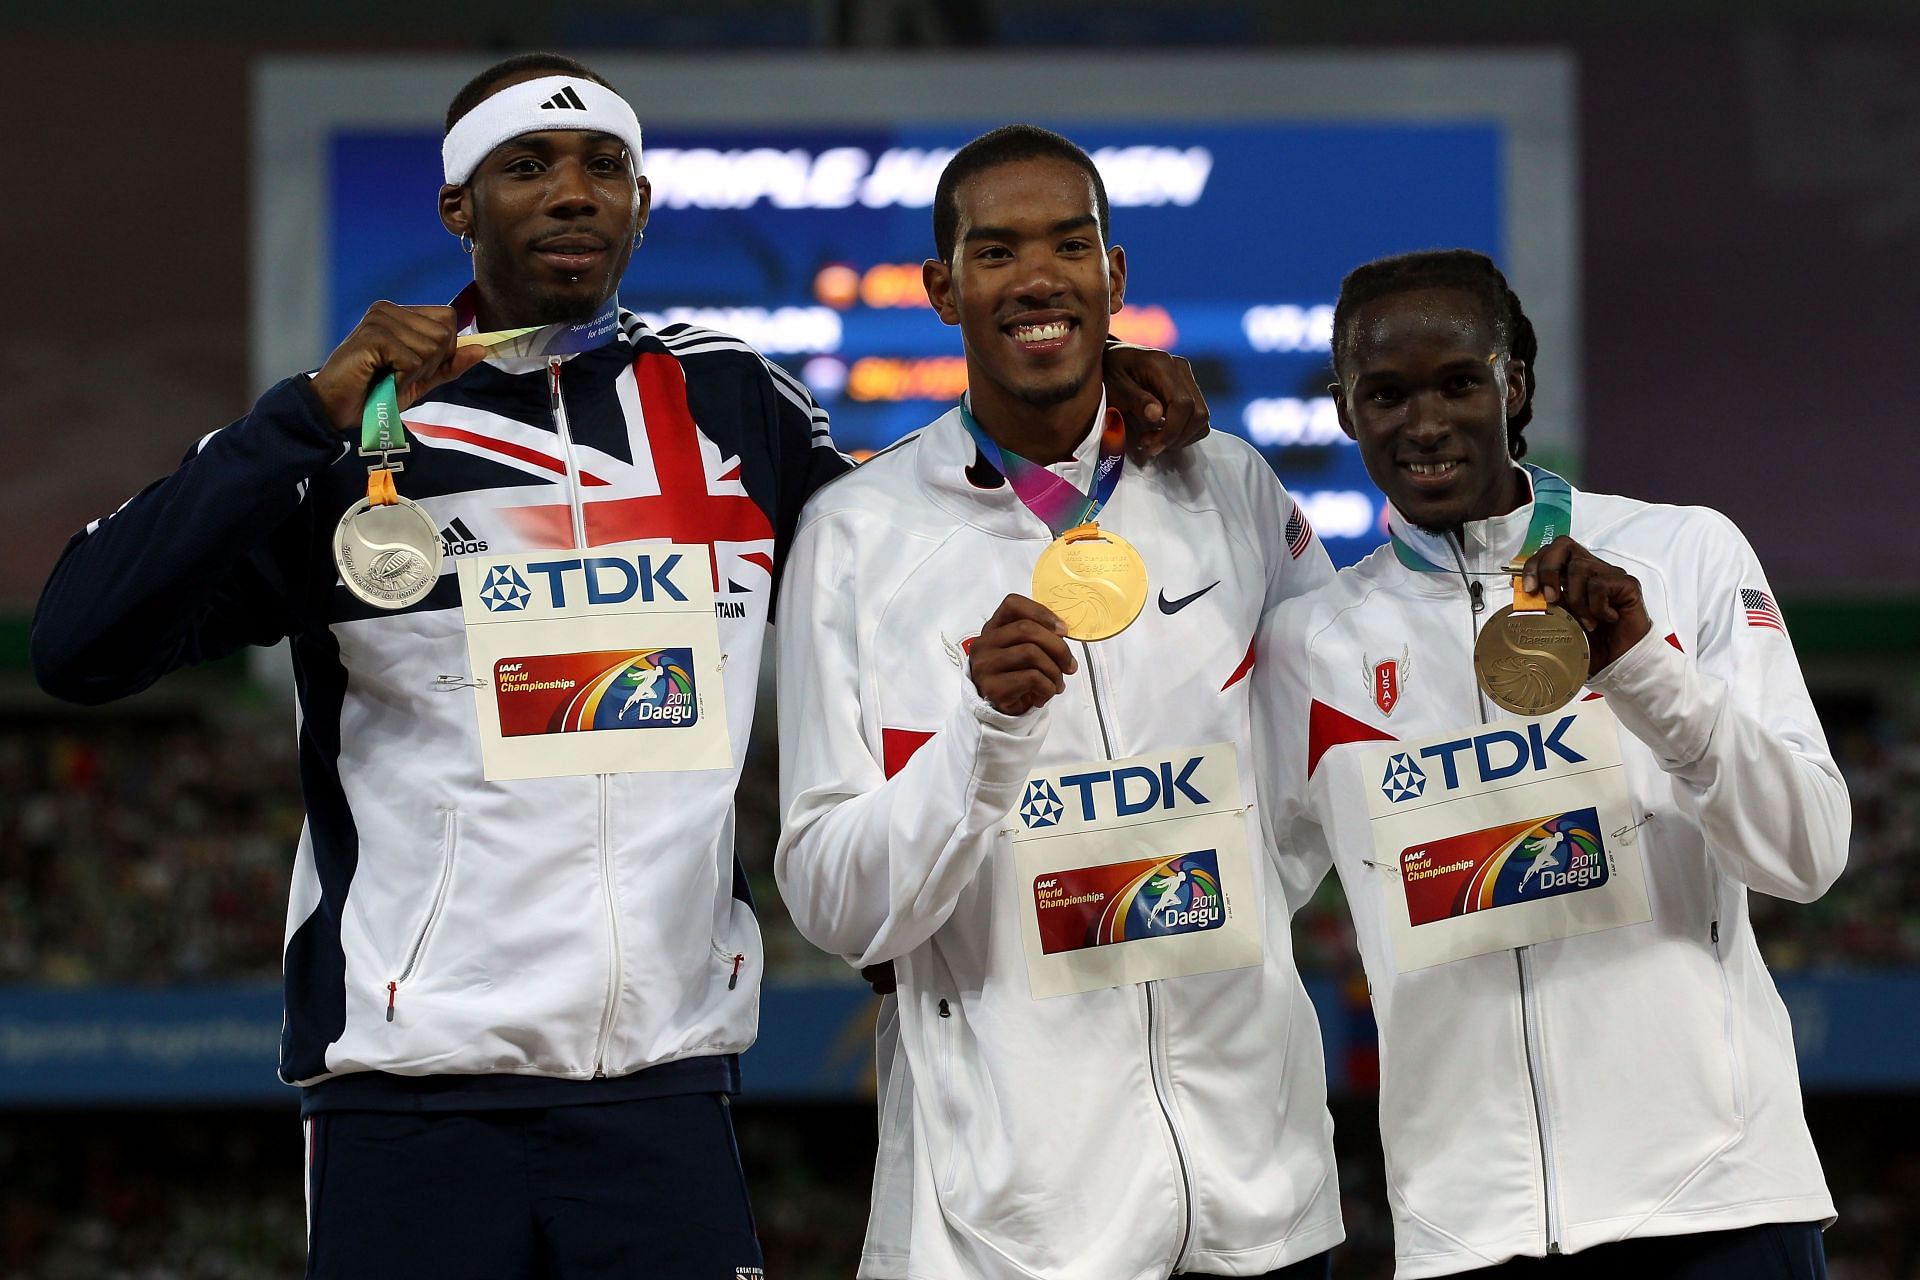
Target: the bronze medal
pixel 1531 657
pixel 1093 580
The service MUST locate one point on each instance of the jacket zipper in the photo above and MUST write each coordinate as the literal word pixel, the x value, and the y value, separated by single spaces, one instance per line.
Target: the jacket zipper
pixel 1530 1025
pixel 732 959
pixel 1727 1028
pixel 1156 1043
pixel 1523 965
pixel 559 407
pixel 614 974
pixel 578 512
pixel 448 832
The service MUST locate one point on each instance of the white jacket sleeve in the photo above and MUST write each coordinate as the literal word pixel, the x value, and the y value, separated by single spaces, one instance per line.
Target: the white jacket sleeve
pixel 1280 738
pixel 870 866
pixel 1734 726
pixel 1290 575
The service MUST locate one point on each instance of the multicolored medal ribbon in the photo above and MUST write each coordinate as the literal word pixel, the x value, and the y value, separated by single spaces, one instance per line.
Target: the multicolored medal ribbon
pixel 385 545
pixel 1091 578
pixel 382 432
pixel 1531 657
pixel 1552 517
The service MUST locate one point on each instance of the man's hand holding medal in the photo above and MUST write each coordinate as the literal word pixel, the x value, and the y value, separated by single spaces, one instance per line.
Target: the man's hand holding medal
pixel 1603 598
pixel 1021 658
pixel 415 344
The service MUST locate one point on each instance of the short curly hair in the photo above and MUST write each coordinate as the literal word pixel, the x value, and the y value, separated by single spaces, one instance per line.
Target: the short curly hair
pixel 1005 145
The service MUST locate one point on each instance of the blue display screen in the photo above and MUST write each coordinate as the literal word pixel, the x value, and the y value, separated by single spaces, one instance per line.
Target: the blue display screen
pixel 808 244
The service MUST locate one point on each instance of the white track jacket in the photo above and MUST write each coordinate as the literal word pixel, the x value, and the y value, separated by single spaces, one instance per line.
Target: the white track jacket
pixel 1123 1133
pixel 1638 1081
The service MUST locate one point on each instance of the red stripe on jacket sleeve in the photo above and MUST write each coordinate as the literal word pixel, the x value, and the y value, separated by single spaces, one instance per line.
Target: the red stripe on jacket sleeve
pixel 897 747
pixel 1327 729
pixel 1240 672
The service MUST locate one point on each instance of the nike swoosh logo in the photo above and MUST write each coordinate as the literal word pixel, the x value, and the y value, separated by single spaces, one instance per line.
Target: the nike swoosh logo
pixel 1175 606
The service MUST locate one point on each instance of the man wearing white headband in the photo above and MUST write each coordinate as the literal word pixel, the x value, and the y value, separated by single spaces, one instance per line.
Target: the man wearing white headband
pixel 516 986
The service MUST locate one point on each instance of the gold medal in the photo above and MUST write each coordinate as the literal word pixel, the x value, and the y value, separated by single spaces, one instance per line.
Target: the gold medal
pixel 1093 580
pixel 1531 657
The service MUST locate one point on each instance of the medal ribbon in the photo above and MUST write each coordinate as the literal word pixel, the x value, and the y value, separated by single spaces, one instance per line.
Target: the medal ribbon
pixel 1059 504
pixel 383 433
pixel 1552 518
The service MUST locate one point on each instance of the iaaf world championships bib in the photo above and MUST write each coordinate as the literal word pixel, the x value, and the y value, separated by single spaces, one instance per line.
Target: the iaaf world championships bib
pixel 598 661
pixel 1503 835
pixel 1134 870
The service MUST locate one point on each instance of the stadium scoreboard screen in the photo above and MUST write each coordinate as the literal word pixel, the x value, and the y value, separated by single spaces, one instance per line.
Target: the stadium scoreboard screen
pixel 806 238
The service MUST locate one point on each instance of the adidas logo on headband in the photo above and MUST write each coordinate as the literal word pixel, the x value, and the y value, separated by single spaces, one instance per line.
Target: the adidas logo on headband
pixel 533 106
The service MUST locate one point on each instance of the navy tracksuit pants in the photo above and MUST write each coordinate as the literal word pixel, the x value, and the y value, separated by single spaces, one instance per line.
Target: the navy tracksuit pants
pixel 638 1190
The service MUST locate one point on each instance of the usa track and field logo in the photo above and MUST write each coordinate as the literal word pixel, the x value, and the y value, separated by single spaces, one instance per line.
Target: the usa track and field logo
pixel 1404 779
pixel 1040 806
pixel 504 590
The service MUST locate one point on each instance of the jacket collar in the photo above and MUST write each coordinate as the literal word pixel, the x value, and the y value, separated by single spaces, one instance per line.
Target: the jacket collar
pixel 1481 547
pixel 625 323
pixel 945 454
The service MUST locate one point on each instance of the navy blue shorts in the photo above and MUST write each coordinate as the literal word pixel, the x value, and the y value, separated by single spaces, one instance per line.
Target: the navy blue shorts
pixel 633 1189
pixel 1778 1251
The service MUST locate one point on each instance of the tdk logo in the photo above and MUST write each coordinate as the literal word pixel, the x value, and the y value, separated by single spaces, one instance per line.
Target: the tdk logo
pixel 504 591
pixel 1403 780
pixel 1040 806
pixel 1502 753
pixel 603 579
pixel 1134 789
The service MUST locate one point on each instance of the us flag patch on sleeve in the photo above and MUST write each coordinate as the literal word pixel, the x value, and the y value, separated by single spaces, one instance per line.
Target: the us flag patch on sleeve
pixel 1760 610
pixel 1299 533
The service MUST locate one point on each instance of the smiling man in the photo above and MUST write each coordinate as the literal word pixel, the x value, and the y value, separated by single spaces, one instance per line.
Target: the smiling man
pixel 1106 1066
pixel 1585 1069
pixel 520 959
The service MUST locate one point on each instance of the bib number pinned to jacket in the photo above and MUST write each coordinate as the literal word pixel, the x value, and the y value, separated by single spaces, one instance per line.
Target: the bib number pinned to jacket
pixel 1132 870
pixel 1504 835
pixel 598 661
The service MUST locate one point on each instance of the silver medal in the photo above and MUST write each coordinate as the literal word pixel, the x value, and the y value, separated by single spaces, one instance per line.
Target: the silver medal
pixel 389 554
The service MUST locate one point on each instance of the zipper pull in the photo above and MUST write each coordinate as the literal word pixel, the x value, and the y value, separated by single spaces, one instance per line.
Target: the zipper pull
pixel 393 992
pixel 734 980
pixel 553 383
pixel 944 1011
pixel 1473 590
pixel 1713 933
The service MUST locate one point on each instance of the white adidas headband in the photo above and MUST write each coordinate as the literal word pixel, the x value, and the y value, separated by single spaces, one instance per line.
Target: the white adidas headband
pixel 535 106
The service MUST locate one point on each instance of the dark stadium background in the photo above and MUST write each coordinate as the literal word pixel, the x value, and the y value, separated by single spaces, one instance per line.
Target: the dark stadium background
pixel 1749 243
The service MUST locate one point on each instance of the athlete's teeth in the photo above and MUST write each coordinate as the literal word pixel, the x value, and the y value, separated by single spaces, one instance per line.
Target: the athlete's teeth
pixel 1041 332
